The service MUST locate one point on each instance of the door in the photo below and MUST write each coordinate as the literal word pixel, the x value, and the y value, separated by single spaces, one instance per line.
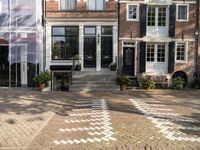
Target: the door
pixel 31 72
pixel 4 66
pixel 129 61
pixel 106 51
pixel 90 51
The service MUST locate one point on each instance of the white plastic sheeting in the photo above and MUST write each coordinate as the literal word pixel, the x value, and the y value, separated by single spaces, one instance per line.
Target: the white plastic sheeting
pixel 21 27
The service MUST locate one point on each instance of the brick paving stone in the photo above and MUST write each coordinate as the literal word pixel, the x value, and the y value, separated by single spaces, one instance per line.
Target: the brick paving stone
pixel 24 115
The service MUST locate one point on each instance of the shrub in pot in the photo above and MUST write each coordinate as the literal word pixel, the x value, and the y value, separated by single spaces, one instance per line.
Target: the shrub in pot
pixel 42 79
pixel 178 82
pixel 148 83
pixel 123 81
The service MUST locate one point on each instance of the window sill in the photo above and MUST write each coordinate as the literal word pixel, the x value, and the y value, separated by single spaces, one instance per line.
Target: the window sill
pixel 132 20
pixel 182 20
pixel 181 62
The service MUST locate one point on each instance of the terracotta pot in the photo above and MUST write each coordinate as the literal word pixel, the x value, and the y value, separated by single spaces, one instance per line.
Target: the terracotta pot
pixel 122 87
pixel 41 86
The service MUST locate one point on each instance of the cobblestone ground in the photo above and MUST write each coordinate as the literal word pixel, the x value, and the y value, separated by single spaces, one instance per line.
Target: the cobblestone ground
pixel 130 120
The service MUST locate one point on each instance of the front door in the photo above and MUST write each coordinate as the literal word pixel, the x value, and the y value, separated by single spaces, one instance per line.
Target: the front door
pixel 90 51
pixel 129 61
pixel 106 51
pixel 4 66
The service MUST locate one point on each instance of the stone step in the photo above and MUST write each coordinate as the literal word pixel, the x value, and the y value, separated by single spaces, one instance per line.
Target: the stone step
pixel 103 88
pixel 107 82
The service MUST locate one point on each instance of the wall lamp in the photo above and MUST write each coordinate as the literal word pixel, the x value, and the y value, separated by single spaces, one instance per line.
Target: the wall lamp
pixel 196 33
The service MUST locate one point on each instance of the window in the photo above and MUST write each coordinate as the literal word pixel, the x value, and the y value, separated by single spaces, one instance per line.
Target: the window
pixel 67 4
pixel 132 12
pixel 90 30
pixel 95 4
pixel 161 53
pixel 162 16
pixel 156 16
pixel 181 52
pixel 182 12
pixel 151 16
pixel 150 52
pixel 65 42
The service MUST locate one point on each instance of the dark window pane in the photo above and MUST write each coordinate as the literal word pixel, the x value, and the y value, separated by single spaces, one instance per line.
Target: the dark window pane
pixel 106 30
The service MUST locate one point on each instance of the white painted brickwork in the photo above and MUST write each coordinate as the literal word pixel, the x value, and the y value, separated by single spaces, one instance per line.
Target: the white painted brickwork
pixel 98 119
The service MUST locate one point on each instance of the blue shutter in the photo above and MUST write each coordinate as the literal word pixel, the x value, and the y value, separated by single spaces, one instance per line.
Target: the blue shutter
pixel 142 57
pixel 172 20
pixel 143 14
pixel 171 57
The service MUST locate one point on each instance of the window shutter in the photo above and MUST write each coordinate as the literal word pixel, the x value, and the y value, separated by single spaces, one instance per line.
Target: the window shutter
pixel 143 14
pixel 142 57
pixel 171 57
pixel 172 20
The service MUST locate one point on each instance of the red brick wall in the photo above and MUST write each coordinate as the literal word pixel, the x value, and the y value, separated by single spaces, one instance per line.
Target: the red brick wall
pixel 128 28
pixel 52 10
pixel 186 28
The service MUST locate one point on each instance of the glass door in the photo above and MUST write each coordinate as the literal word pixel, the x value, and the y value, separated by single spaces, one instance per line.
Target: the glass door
pixel 90 47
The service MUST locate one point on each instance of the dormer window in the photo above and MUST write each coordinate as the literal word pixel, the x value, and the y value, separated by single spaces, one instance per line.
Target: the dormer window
pixel 95 5
pixel 67 4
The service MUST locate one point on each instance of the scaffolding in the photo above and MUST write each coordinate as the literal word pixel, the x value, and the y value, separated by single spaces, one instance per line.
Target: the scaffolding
pixel 21 27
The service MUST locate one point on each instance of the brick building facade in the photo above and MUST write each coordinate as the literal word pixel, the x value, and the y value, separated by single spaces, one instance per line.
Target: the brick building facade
pixel 87 29
pixel 157 38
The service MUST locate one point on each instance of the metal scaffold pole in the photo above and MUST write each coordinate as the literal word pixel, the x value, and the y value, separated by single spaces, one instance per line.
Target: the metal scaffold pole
pixel 9 7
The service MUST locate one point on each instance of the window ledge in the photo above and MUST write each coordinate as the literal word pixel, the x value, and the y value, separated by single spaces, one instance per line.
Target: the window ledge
pixel 181 62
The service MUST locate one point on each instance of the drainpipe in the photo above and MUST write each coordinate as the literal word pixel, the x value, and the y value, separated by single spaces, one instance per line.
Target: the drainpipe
pixel 197 32
pixel 44 33
pixel 118 10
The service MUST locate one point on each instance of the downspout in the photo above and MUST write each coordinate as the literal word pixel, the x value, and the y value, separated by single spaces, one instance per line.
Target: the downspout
pixel 197 32
pixel 118 10
pixel 44 33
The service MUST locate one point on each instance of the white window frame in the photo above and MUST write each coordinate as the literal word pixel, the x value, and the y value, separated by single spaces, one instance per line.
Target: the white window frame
pixel 182 20
pixel 127 12
pixel 186 53
pixel 1 6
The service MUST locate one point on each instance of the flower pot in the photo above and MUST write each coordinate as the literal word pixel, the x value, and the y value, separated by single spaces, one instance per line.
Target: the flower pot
pixel 122 87
pixel 41 86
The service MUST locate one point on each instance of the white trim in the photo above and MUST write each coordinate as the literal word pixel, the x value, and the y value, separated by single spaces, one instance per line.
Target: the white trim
pixel 181 20
pixel 1 6
pixel 127 12
pixel 186 53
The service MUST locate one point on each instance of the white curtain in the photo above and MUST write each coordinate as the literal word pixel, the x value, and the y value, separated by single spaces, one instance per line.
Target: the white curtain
pixel 67 4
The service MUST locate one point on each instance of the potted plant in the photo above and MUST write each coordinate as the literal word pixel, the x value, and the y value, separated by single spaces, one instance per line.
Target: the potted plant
pixel 113 66
pixel 179 83
pixel 42 79
pixel 55 53
pixel 148 83
pixel 123 82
